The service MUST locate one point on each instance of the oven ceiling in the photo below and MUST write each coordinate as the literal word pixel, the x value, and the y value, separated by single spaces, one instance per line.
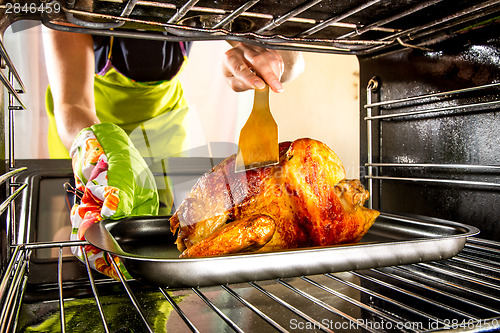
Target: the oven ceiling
pixel 348 27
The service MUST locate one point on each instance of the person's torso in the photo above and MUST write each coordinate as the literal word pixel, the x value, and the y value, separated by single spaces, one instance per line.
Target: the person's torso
pixel 140 60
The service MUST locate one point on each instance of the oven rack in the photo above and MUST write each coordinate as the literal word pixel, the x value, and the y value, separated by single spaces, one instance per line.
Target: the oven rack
pixel 459 293
pixel 14 87
pixel 15 103
pixel 346 27
pixel 384 111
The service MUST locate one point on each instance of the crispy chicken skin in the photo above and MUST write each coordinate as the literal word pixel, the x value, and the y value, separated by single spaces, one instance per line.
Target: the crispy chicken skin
pixel 248 234
pixel 303 201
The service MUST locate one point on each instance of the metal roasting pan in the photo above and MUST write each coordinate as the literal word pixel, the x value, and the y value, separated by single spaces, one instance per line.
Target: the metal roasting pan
pixel 146 247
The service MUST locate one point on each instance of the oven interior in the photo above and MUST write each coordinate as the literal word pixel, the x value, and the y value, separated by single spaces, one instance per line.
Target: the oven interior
pixel 429 120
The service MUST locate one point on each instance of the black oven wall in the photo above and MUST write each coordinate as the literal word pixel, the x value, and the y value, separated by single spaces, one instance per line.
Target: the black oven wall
pixel 419 149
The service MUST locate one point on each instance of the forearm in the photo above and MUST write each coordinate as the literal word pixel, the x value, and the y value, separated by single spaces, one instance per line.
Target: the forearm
pixel 70 68
pixel 68 126
pixel 294 65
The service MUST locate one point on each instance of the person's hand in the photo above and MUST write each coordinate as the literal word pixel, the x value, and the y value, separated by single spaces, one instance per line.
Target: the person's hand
pixel 251 67
pixel 115 182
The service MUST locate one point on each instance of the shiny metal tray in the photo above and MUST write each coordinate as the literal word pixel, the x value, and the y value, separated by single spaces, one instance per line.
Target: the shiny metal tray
pixel 146 247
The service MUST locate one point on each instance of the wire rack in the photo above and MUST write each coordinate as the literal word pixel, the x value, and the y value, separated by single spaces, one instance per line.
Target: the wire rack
pixel 344 27
pixel 461 293
pixel 408 108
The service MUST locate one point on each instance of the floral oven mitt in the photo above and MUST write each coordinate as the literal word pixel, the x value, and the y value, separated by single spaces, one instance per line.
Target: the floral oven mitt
pixel 115 182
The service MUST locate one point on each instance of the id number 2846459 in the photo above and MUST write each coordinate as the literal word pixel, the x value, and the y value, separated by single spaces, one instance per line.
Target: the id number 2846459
pixel 32 8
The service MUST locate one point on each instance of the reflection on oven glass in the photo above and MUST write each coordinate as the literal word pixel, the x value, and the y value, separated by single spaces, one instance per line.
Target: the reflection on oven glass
pixel 52 220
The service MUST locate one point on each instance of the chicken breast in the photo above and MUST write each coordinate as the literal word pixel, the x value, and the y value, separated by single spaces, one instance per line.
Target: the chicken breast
pixel 303 201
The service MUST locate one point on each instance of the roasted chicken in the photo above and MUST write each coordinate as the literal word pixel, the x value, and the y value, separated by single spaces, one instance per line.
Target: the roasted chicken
pixel 303 201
